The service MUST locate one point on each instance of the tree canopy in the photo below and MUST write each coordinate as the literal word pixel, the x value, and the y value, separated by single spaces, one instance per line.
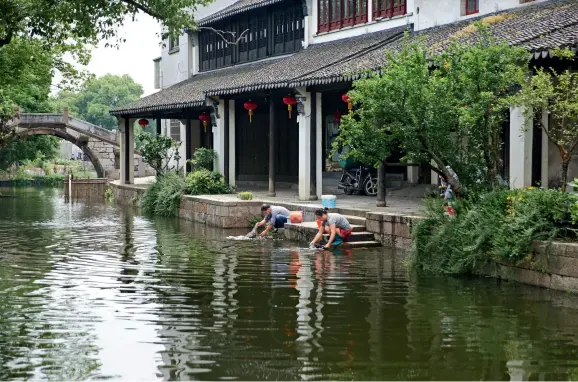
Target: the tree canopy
pixel 96 97
pixel 445 110
pixel 59 23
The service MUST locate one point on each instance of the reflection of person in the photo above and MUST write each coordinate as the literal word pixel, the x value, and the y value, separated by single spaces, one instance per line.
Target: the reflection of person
pixel 274 217
pixel 335 225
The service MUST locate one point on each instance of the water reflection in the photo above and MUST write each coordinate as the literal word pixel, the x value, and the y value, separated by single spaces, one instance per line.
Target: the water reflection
pixel 89 291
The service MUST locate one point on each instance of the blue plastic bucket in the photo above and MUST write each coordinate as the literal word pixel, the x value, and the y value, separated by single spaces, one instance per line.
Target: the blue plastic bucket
pixel 328 201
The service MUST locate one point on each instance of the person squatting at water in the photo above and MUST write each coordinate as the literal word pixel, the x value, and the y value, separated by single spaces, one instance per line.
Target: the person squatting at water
pixel 274 217
pixel 335 225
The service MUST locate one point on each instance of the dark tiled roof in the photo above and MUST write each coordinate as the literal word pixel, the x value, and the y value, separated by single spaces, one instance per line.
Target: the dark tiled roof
pixel 538 28
pixel 267 74
pixel 233 9
pixel 191 93
pixel 316 57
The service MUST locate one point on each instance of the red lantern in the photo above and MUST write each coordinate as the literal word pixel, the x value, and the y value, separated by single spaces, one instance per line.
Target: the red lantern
pixel 250 105
pixel 289 100
pixel 205 118
pixel 337 116
pixel 143 122
pixel 345 98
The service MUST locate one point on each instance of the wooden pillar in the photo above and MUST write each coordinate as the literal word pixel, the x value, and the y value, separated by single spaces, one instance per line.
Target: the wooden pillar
pixel 313 145
pixel 381 186
pixel 226 139
pixel 188 148
pixel 158 123
pixel 272 140
pixel 203 142
pixel 127 150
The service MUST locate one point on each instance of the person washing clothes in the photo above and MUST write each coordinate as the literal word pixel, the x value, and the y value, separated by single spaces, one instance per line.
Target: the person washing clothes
pixel 335 225
pixel 274 217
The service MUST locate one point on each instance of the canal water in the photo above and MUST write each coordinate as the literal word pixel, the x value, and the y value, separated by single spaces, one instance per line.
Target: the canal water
pixel 93 291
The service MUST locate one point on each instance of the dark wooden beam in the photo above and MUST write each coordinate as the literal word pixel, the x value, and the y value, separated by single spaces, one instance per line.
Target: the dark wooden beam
pixel 188 147
pixel 126 151
pixel 226 139
pixel 313 125
pixel 159 129
pixel 272 128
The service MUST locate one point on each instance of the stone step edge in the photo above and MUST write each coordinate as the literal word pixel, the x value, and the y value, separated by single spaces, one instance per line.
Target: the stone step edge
pixel 299 226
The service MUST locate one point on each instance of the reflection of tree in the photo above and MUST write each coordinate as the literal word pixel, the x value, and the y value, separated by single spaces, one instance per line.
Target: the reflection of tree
pixel 465 329
pixel 41 336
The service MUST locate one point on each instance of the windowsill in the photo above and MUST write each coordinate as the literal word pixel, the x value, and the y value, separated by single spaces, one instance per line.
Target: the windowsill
pixel 470 13
pixel 174 50
pixel 375 21
pixel 381 19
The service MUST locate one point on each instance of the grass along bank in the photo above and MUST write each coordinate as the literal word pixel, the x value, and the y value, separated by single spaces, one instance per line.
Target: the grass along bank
pixel 491 226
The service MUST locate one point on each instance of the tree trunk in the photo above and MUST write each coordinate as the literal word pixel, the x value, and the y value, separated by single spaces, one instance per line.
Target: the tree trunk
pixel 565 164
pixel 381 186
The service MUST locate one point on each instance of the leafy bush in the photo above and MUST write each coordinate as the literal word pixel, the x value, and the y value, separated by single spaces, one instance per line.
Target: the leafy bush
pixel 157 151
pixel 246 195
pixel 205 182
pixel 497 225
pixel 203 158
pixel 164 196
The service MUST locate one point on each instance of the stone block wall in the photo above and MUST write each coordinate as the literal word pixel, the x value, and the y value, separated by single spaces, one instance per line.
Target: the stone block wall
pixel 392 230
pixel 126 195
pixel 553 266
pixel 86 189
pixel 216 212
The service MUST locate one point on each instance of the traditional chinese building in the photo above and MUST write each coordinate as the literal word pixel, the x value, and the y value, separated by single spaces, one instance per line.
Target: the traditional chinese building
pixel 251 58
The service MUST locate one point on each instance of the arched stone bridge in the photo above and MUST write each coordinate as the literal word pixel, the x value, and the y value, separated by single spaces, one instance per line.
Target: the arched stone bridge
pixel 100 146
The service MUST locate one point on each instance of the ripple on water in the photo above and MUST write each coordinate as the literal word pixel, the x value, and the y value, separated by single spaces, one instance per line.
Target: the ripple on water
pixel 89 291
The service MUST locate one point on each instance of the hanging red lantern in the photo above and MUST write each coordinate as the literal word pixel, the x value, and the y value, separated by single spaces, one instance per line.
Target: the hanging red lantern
pixel 337 116
pixel 345 98
pixel 289 100
pixel 205 118
pixel 250 105
pixel 143 122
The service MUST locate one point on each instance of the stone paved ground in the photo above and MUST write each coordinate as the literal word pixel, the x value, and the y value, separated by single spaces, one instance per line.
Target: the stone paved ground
pixel 406 201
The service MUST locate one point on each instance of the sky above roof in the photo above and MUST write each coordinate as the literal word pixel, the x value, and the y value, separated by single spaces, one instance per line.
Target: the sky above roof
pixel 134 57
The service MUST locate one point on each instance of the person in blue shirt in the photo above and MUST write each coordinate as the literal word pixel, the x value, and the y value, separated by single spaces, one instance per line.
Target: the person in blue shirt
pixel 274 217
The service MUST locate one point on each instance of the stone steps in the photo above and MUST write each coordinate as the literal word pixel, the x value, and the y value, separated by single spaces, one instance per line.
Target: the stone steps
pixel 359 238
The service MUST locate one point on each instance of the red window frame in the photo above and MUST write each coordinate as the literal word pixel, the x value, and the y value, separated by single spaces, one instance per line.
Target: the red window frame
pixel 476 7
pixel 389 8
pixel 336 14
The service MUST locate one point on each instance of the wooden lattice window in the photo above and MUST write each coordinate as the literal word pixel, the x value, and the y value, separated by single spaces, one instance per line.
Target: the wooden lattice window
pixel 336 14
pixel 388 8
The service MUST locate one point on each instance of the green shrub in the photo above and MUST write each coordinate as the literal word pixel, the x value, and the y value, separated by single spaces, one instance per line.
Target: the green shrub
pixel 498 225
pixel 246 195
pixel 164 196
pixel 203 158
pixel 205 182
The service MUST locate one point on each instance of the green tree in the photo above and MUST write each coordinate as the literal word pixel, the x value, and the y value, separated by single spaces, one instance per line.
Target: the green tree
pixel 77 22
pixel 97 96
pixel 556 93
pixel 446 110
pixel 157 151
pixel 25 79
pixel 35 147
